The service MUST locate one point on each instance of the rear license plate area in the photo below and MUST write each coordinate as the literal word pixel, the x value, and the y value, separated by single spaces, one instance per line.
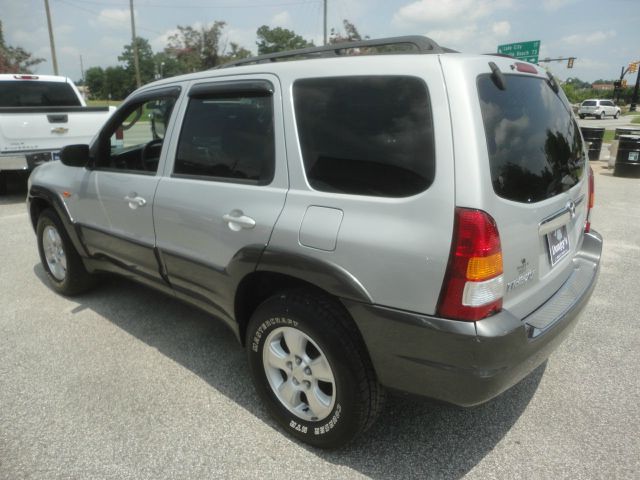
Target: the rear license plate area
pixel 558 244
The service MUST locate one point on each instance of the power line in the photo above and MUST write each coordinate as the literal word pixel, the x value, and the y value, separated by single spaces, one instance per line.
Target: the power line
pixel 202 6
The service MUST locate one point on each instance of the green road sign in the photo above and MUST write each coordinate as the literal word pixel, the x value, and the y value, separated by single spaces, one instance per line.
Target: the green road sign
pixel 527 51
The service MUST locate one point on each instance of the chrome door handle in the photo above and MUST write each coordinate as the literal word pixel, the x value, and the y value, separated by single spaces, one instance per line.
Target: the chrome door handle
pixel 135 201
pixel 237 220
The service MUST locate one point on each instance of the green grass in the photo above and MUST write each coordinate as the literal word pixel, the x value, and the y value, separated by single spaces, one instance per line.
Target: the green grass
pixel 103 103
pixel 608 136
pixel 636 119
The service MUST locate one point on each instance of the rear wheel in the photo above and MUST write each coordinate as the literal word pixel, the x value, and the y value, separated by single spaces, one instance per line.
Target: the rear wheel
pixel 60 260
pixel 310 368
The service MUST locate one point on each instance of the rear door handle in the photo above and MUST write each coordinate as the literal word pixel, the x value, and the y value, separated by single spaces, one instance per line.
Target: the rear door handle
pixel 237 220
pixel 135 201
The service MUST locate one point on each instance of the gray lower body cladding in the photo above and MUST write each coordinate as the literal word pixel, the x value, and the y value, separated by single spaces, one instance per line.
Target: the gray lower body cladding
pixel 468 363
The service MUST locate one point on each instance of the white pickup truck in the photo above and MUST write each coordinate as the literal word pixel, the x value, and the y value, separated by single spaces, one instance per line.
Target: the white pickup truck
pixel 40 114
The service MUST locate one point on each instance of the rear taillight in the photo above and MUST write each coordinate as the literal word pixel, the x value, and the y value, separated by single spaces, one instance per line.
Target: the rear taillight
pixel 591 201
pixel 474 285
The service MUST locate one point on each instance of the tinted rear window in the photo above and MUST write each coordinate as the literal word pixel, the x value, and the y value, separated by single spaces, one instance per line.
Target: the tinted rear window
pixel 366 135
pixel 534 144
pixel 28 93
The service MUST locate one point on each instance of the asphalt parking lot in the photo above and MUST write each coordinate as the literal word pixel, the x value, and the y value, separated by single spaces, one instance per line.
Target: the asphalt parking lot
pixel 127 383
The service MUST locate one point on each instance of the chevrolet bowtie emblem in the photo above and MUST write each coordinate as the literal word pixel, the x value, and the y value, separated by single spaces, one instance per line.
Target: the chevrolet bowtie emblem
pixel 59 130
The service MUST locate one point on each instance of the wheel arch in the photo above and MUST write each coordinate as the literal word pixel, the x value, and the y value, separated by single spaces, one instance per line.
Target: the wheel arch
pixel 41 198
pixel 278 271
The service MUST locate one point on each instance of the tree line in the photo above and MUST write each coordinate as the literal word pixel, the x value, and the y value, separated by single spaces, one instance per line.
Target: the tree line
pixel 188 50
pixel 192 50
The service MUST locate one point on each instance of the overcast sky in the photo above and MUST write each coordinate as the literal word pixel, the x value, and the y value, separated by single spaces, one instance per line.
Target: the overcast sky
pixel 602 34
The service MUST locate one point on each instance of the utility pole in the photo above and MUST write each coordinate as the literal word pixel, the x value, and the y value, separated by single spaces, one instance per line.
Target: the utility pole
pixel 634 98
pixel 81 69
pixel 134 44
pixel 325 22
pixel 53 45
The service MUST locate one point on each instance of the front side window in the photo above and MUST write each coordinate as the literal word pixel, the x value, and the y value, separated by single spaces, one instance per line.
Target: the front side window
pixel 228 138
pixel 366 135
pixel 136 139
pixel 533 141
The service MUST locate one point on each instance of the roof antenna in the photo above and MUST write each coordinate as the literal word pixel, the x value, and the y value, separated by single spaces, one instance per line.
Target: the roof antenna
pixel 497 77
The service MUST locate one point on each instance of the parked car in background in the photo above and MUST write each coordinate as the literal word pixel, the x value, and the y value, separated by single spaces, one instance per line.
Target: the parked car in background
pixel 417 221
pixel 598 109
pixel 40 114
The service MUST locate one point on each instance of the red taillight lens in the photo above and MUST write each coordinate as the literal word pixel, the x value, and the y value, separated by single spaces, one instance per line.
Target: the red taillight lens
pixel 591 202
pixel 473 286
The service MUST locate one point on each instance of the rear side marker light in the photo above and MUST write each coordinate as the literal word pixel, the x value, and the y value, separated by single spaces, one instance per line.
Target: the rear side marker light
pixel 474 283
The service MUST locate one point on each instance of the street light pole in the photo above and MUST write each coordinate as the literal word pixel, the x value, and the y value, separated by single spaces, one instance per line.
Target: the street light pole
pixel 54 60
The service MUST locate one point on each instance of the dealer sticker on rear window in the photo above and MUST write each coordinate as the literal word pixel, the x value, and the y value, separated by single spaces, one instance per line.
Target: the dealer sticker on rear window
pixel 633 156
pixel 558 242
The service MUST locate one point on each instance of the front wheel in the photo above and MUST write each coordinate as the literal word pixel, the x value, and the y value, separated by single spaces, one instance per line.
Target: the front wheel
pixel 616 115
pixel 60 260
pixel 310 368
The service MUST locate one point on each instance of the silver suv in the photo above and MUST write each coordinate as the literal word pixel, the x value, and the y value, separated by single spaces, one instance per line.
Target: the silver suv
pixel 415 221
pixel 598 109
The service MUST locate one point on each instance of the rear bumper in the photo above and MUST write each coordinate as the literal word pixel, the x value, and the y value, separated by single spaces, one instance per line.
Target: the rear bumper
pixel 468 363
pixel 26 160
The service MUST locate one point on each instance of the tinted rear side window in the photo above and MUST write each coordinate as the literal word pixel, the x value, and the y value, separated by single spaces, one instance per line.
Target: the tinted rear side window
pixel 28 93
pixel 589 103
pixel 534 144
pixel 366 135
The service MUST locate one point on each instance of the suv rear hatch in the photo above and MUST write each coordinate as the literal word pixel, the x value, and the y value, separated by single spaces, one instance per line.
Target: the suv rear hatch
pixel 528 172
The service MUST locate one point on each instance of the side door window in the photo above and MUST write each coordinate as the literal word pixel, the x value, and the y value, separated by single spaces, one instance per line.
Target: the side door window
pixel 227 138
pixel 134 141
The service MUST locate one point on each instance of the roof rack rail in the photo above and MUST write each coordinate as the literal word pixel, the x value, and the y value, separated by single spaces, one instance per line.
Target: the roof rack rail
pixel 419 43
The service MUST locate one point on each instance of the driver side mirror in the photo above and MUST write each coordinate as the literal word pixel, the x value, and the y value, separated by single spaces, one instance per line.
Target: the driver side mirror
pixel 75 155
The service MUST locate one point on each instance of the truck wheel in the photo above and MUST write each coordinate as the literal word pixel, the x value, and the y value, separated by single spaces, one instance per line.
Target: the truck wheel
pixel 311 369
pixel 60 260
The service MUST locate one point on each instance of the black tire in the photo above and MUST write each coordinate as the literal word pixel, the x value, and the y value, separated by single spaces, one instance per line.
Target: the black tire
pixel 599 116
pixel 72 278
pixel 616 115
pixel 356 396
pixel 581 117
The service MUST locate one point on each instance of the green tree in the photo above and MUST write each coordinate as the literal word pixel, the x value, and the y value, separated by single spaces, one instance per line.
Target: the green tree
pixel 15 59
pixel 271 40
pixel 117 83
pixel 236 52
pixel 94 80
pixel 165 65
pixel 351 34
pixel 145 61
pixel 196 50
